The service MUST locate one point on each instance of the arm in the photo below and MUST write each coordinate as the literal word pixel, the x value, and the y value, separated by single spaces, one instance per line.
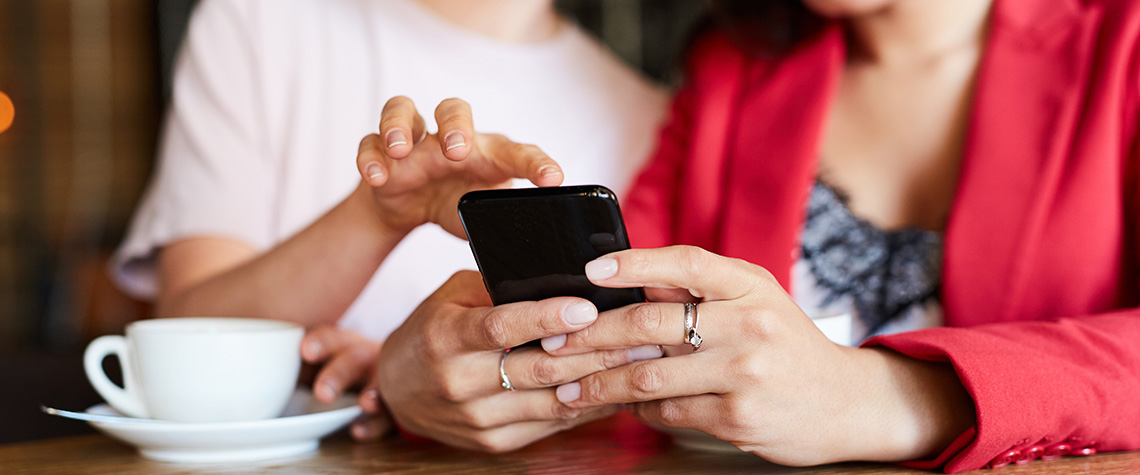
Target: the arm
pixel 1038 384
pixel 315 275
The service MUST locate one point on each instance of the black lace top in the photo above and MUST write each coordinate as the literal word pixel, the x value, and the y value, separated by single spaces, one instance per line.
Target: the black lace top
pixel 883 274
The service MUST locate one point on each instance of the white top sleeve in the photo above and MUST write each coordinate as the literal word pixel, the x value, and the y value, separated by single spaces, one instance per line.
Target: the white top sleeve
pixel 216 173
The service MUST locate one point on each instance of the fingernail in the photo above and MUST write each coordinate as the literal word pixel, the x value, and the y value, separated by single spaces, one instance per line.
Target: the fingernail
pixel 568 392
pixel 313 349
pixel 599 269
pixel 329 390
pixel 362 431
pixel 580 313
pixel 396 137
pixel 549 170
pixel 647 352
pixel 374 170
pixel 370 401
pixel 552 343
pixel 454 140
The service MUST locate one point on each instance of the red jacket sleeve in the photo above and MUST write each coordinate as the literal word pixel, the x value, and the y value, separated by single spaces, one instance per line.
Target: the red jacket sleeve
pixel 651 204
pixel 1038 386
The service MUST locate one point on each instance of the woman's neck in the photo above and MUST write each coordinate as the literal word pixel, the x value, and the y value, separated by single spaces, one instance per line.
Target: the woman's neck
pixel 919 30
pixel 517 21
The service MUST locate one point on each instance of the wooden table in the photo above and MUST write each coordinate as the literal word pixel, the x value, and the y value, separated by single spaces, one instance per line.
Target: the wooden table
pixel 609 446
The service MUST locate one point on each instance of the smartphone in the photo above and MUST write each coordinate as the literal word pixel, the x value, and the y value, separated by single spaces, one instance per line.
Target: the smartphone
pixel 534 243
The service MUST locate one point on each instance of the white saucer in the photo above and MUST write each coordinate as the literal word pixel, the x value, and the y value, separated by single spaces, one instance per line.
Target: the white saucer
pixel 299 430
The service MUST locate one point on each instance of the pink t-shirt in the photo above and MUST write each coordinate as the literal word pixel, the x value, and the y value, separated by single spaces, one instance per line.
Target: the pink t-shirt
pixel 271 100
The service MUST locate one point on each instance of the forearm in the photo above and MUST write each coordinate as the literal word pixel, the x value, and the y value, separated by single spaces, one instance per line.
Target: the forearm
pixel 311 278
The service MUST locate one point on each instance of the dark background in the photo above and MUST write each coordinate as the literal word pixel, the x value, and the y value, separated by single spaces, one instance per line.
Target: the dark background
pixel 89 80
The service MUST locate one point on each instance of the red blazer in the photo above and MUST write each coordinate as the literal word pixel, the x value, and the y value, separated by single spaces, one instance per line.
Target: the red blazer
pixel 1041 264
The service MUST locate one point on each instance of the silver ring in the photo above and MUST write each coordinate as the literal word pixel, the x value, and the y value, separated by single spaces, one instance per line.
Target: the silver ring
pixel 692 317
pixel 503 379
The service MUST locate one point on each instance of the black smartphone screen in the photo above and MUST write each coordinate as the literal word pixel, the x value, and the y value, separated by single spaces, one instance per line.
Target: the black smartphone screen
pixel 534 243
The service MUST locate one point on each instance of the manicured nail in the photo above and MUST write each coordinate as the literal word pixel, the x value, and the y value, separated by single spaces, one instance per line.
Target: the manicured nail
pixel 647 352
pixel 580 313
pixel 374 170
pixel 549 170
pixel 552 343
pixel 568 392
pixel 599 269
pixel 396 137
pixel 454 140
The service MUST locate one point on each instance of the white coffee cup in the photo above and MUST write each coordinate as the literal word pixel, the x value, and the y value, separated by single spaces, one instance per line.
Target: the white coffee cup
pixel 200 369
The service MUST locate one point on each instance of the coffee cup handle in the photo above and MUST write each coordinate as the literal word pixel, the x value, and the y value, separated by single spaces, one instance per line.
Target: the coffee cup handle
pixel 125 399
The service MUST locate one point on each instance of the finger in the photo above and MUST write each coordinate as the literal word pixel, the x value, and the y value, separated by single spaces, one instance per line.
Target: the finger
pixel 348 368
pixel 513 436
pixel 372 162
pixel 513 407
pixel 521 160
pixel 370 400
pixel 646 381
pixel 650 323
pixel 322 342
pixel 371 427
pixel 401 126
pixel 510 325
pixel 703 273
pixel 702 412
pixel 456 128
pixel 532 368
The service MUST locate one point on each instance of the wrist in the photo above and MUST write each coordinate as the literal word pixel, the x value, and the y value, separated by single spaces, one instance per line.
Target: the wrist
pixel 364 209
pixel 916 408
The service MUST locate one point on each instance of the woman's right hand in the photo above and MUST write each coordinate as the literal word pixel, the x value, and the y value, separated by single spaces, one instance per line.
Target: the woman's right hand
pixel 415 177
pixel 439 372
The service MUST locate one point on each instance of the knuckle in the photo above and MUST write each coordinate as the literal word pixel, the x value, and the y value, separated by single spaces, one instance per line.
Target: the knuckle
pixel 692 259
pixel 449 390
pixel 563 412
pixel 671 412
pixel 612 359
pixel 646 318
pixel 592 390
pixel 491 442
pixel 645 381
pixel 547 371
pixel 454 121
pixel 472 418
pixel 750 367
pixel 434 348
pixel 453 103
pixel 396 103
pixel 495 331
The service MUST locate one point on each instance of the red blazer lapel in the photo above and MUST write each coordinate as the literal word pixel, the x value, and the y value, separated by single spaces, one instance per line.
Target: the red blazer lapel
pixel 774 152
pixel 1026 107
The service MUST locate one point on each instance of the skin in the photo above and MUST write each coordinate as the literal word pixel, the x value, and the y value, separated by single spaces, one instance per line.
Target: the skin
pixel 314 276
pixel 893 146
pixel 781 389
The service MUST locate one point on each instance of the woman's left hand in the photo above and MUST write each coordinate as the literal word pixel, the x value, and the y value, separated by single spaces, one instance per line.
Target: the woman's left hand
pixel 765 378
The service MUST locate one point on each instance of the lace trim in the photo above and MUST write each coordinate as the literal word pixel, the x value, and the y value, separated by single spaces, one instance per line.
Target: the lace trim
pixel 884 272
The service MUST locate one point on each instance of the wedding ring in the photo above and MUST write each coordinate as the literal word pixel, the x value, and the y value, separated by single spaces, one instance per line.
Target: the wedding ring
pixel 503 379
pixel 692 315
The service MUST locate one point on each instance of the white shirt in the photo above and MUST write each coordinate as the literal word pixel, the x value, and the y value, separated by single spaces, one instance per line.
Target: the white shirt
pixel 271 99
